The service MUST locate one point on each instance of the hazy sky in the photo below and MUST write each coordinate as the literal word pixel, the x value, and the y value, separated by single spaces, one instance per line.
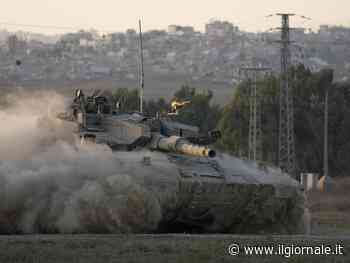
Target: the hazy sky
pixel 117 15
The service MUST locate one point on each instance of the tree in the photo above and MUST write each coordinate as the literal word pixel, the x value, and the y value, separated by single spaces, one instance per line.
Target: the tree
pixel 153 107
pixel 128 100
pixel 308 89
pixel 233 123
pixel 200 112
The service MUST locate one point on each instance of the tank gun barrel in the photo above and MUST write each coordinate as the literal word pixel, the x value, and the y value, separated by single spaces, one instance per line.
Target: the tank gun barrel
pixel 180 145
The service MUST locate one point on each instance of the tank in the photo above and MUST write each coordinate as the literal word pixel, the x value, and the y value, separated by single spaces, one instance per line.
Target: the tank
pixel 202 190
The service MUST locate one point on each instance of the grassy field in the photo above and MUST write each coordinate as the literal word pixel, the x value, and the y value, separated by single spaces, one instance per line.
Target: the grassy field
pixel 156 86
pixel 156 248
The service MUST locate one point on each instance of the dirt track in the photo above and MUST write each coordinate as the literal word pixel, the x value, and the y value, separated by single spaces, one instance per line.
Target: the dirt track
pixel 156 248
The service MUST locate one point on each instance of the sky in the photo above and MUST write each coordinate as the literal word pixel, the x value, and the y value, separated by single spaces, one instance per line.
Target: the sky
pixel 119 15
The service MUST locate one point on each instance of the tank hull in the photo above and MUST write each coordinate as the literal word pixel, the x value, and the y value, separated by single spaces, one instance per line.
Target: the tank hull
pixel 222 208
pixel 201 195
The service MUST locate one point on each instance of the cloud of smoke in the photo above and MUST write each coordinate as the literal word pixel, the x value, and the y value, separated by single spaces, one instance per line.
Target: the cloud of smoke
pixel 48 184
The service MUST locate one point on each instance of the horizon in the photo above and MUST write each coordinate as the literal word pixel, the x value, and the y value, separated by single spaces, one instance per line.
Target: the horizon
pixel 59 17
pixel 38 29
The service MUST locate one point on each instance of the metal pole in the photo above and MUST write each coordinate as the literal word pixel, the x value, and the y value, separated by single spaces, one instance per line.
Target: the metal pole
pixel 142 84
pixel 325 153
pixel 286 119
pixel 251 145
pixel 255 113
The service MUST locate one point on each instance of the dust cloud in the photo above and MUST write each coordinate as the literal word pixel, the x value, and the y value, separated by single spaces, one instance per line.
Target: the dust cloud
pixel 48 184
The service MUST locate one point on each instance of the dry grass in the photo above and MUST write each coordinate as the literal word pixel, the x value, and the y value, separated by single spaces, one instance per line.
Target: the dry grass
pixel 331 210
pixel 337 200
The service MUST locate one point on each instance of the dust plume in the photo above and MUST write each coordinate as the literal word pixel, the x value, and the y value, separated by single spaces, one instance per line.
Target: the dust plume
pixel 50 185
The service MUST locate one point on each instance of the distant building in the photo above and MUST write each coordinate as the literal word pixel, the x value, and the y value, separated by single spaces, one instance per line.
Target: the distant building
pixel 98 70
pixel 87 43
pixel 219 33
pixel 130 33
pixel 15 44
pixel 180 30
pixel 131 37
pixel 12 43
pixel 334 32
pixel 219 28
pixel 117 39
pixel 323 30
pixel 299 32
pixel 172 29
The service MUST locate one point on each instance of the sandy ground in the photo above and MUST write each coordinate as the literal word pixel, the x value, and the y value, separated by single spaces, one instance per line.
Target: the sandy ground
pixel 158 248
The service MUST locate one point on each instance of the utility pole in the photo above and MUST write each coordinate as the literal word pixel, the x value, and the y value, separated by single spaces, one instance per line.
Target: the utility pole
pixel 325 143
pixel 325 152
pixel 286 146
pixel 255 134
pixel 141 71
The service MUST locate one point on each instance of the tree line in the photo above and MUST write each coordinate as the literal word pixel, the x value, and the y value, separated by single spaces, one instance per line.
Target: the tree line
pixel 309 98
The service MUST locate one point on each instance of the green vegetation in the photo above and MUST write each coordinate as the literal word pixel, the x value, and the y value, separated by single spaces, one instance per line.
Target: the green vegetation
pixel 129 101
pixel 199 112
pixel 309 90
